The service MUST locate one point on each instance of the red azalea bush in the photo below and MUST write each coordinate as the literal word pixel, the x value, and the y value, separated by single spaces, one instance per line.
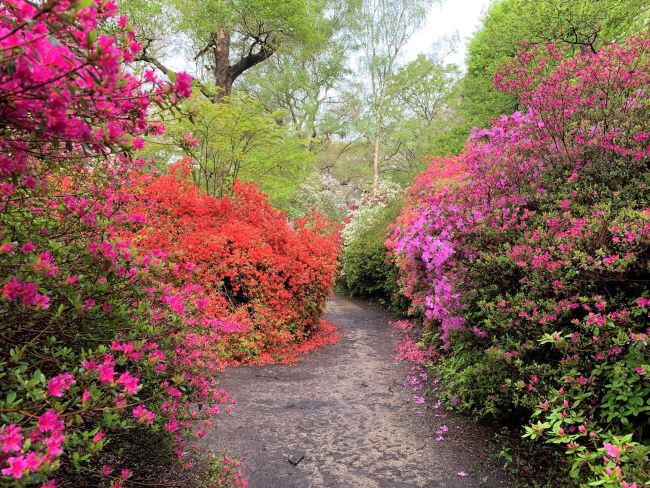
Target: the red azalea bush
pixel 531 270
pixel 266 278
pixel 104 348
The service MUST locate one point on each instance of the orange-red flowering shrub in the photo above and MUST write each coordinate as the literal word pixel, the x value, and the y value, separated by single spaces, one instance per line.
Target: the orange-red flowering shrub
pixel 267 276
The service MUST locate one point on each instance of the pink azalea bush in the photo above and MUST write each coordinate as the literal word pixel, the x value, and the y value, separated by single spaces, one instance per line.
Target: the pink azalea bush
pixel 100 344
pixel 529 261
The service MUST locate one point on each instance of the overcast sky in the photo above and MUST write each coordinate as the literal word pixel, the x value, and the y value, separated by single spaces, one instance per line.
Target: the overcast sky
pixel 453 16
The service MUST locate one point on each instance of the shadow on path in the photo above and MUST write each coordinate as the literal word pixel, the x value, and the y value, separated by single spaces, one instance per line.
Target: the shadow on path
pixel 344 410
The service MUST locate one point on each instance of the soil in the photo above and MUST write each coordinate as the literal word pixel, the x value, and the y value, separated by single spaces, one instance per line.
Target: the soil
pixel 343 417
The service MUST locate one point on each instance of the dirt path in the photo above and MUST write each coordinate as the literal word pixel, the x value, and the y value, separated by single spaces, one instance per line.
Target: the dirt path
pixel 346 412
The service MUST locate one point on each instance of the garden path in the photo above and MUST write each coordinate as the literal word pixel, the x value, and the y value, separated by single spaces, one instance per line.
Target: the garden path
pixel 342 417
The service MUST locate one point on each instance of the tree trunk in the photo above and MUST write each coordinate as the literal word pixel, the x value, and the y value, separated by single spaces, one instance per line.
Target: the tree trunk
pixel 222 77
pixel 375 156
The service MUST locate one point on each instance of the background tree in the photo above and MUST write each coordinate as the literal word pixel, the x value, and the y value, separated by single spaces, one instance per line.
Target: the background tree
pixel 224 38
pixel 238 139
pixel 385 28
pixel 580 24
pixel 307 82
pixel 422 93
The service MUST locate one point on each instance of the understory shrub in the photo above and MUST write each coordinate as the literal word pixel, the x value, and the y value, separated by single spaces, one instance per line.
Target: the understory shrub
pixel 366 270
pixel 265 277
pixel 528 261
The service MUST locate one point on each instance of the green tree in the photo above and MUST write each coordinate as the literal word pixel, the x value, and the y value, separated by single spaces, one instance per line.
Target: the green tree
pixel 225 38
pixel 386 26
pixel 302 84
pixel 578 24
pixel 238 139
pixel 422 96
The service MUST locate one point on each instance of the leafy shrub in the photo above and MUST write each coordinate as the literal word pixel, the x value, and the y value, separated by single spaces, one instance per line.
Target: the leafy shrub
pixel 529 265
pixel 266 277
pixel 366 271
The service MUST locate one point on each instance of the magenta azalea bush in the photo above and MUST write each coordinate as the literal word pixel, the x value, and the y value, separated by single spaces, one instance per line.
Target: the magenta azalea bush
pixel 530 265
pixel 101 346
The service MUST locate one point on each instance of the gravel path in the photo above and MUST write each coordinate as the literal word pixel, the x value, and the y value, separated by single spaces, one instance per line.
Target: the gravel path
pixel 343 418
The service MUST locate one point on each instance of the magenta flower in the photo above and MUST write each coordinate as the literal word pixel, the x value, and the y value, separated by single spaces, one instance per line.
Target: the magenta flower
pixel 612 450
pixel 129 383
pixel 106 373
pixel 6 248
pixel 60 384
pixel 17 467
pixel 143 415
pixel 11 439
pixel 183 84
pixel 98 436
pixel 50 421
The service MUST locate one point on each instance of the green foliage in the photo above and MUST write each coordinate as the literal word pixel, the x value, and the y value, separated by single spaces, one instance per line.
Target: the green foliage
pixel 416 122
pixel 366 272
pixel 581 24
pixel 286 20
pixel 289 20
pixel 238 139
pixel 304 80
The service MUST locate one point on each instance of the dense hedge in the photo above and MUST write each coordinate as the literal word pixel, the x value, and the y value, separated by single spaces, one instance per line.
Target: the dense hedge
pixel 529 265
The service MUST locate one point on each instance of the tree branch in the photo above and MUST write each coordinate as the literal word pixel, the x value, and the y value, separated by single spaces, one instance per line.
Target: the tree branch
pixel 251 59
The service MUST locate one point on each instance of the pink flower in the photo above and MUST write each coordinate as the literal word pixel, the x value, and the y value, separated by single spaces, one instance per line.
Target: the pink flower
pixel 106 470
pixel 45 263
pixel 17 467
pixel 172 425
pixel 28 247
pixel 128 382
pixel 125 474
pixel 6 248
pixel 98 436
pixel 11 439
pixel 640 370
pixel 26 292
pixel 183 84
pixel 143 415
pixel 49 484
pixel 612 450
pixel 33 461
pixel 59 384
pixel 462 473
pixel 106 373
pixel 50 421
pixel 85 397
pixel 120 401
